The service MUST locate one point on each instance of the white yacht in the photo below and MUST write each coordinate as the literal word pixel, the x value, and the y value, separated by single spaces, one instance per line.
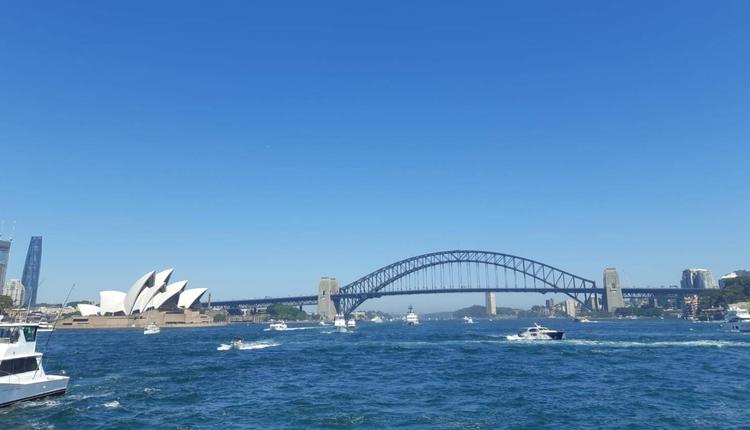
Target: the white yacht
pixel 537 333
pixel 278 326
pixel 737 320
pixel 339 322
pixel 351 324
pixel 376 319
pixel 22 376
pixel 411 317
pixel 468 320
pixel 151 328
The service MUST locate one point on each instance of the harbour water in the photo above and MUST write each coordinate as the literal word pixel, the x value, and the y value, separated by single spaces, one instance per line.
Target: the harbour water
pixel 621 374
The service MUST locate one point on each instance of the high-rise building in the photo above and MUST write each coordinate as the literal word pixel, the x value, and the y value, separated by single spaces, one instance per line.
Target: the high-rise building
pixel 612 290
pixel 697 278
pixel 30 278
pixel 569 307
pixel 13 289
pixel 490 303
pixel 4 257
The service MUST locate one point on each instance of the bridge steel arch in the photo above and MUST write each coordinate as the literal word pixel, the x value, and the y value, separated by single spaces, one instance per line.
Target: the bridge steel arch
pixel 451 271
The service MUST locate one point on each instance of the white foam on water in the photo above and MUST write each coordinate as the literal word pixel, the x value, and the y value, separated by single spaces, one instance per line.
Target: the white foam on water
pixel 294 328
pixel 702 343
pixel 248 345
pixel 114 404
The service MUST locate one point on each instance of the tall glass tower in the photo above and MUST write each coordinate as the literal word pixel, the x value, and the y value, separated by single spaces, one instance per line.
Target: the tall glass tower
pixel 30 278
pixel 4 256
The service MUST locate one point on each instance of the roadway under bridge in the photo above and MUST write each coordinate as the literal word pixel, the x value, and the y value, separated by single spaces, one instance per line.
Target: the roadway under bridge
pixel 461 271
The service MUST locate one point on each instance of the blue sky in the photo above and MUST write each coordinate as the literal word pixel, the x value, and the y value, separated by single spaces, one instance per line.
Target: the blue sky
pixel 256 146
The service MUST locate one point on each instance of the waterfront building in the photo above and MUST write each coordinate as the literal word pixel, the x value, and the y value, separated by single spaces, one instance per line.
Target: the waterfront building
pixel 151 291
pixel 612 291
pixel 697 278
pixel 326 307
pixel 732 275
pixel 4 257
pixel 31 267
pixel 569 307
pixel 550 304
pixel 13 289
pixel 490 302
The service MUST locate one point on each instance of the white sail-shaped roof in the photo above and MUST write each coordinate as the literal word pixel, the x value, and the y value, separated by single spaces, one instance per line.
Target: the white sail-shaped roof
pixel 112 302
pixel 170 291
pixel 162 278
pixel 87 310
pixel 145 281
pixel 146 296
pixel 189 297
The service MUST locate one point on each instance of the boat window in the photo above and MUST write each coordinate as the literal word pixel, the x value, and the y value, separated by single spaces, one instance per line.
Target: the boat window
pixel 29 333
pixel 533 330
pixel 18 365
pixel 10 333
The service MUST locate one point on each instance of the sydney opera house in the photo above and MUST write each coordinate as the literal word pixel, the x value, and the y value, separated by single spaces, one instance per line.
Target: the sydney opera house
pixel 152 298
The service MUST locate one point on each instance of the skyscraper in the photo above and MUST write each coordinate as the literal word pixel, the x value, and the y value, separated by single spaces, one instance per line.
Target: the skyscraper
pixel 30 278
pixel 4 256
pixel 490 302
pixel 612 291
pixel 697 278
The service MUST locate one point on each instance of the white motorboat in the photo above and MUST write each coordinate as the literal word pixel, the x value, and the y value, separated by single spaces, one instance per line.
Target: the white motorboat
pixel 582 320
pixel 151 328
pixel 411 317
pixel 339 323
pixel 737 320
pixel 351 324
pixel 45 326
pixel 537 333
pixel 376 319
pixel 22 376
pixel 468 320
pixel 278 326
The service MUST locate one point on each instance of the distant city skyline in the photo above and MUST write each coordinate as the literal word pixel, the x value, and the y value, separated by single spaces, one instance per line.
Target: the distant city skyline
pixel 263 149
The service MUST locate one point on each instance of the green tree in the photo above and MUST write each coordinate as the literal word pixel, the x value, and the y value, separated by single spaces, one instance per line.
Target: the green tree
pixel 286 313
pixel 6 304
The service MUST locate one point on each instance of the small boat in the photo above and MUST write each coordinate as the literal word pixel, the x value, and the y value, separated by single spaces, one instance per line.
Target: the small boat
pixel 376 319
pixel 236 343
pixel 323 323
pixel 45 326
pixel 151 328
pixel 339 323
pixel 350 323
pixel 737 320
pixel 468 320
pixel 22 376
pixel 582 320
pixel 411 317
pixel 278 326
pixel 537 333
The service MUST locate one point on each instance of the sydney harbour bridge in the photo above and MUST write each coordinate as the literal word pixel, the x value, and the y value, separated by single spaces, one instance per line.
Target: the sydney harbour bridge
pixel 458 271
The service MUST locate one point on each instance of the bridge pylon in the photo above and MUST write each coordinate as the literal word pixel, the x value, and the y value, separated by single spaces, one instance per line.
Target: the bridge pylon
pixel 326 306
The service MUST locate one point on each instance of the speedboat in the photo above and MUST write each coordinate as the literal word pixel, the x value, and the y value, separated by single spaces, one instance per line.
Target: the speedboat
pixel 350 323
pixel 376 319
pixel 236 343
pixel 278 326
pixel 582 320
pixel 22 376
pixel 737 320
pixel 411 317
pixel 537 333
pixel 468 320
pixel 151 328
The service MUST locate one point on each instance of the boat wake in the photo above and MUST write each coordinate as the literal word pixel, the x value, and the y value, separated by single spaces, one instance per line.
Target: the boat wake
pixel 294 328
pixel 705 343
pixel 248 346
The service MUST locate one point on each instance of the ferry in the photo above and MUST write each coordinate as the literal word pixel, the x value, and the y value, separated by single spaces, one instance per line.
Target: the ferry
pixel 411 317
pixel 278 326
pixel 350 323
pixel 339 323
pixel 151 328
pixel 537 333
pixel 22 376
pixel 376 319
pixel 737 320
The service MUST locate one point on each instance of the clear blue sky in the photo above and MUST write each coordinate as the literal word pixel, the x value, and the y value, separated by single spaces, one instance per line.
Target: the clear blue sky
pixel 256 146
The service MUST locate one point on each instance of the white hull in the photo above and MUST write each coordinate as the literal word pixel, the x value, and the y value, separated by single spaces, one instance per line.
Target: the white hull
pixel 48 385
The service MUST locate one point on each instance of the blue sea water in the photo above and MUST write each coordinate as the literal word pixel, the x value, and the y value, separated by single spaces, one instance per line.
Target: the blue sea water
pixel 619 374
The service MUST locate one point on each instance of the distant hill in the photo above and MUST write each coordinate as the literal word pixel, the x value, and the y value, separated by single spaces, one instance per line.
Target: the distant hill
pixel 476 311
